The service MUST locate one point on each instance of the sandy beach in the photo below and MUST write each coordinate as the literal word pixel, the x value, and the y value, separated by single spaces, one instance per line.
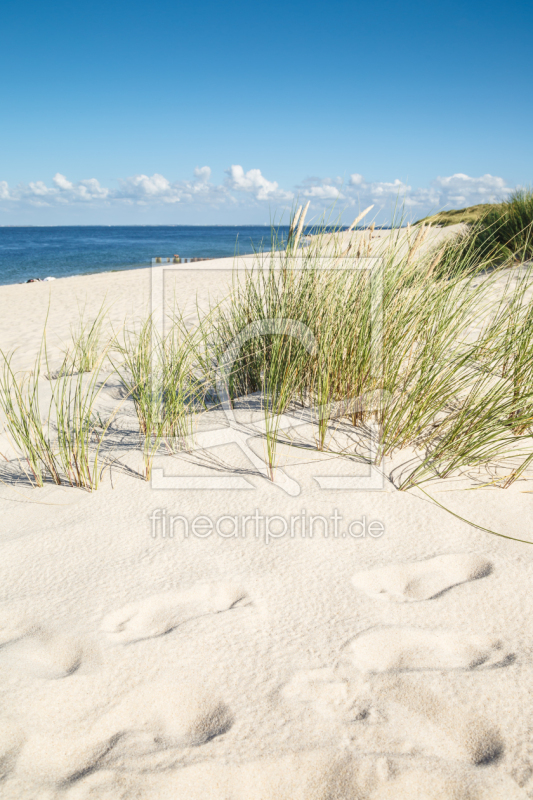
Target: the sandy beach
pixel 312 640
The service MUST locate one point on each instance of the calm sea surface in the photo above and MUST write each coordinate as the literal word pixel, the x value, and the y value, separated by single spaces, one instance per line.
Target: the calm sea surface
pixel 61 251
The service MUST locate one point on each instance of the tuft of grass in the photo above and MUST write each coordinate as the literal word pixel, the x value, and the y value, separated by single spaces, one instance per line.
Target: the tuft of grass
pixel 62 444
pixel 79 431
pixel 454 216
pixel 432 396
pixel 387 348
pixel 84 353
pixel 24 424
pixel 159 375
pixel 87 343
pixel 498 232
pixel 508 227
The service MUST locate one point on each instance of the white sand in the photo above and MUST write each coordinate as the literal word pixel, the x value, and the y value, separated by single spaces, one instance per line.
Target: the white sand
pixel 222 667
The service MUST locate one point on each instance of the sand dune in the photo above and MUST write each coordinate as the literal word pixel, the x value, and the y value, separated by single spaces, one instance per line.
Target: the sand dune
pixel 243 662
pixel 161 613
pixel 421 580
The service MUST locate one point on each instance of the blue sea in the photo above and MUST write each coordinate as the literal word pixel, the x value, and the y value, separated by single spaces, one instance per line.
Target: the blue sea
pixel 62 251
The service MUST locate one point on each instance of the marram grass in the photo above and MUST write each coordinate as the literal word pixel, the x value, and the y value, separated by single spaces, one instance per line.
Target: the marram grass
pixel 408 365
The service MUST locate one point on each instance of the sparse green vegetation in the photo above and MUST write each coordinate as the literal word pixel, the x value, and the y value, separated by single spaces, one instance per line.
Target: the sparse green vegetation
pixel 454 216
pixel 58 439
pixel 503 231
pixel 387 348
pixel 508 228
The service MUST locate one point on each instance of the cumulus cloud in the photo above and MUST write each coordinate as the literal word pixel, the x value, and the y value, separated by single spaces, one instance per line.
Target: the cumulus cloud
pixel 325 192
pixel 242 188
pixel 202 174
pixel 146 190
pixel 142 188
pixel 462 189
pixel 384 189
pixel 61 182
pixel 37 193
pixel 40 189
pixel 355 187
pixel 254 183
pixel 443 192
pixel 90 189
pixel 354 191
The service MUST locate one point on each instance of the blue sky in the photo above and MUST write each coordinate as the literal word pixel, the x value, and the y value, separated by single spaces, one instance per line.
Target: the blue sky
pixel 216 113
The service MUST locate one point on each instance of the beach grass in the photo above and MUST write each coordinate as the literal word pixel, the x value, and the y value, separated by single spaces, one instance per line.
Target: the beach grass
pixel 455 216
pixel 160 374
pixel 388 345
pixel 433 397
pixel 60 439
pixel 508 227
pixel 500 231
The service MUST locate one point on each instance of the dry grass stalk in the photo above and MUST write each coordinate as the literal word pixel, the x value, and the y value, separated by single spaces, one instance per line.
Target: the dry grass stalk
pixel 360 217
pixel 416 244
pixel 301 225
pixel 294 222
pixel 344 254
pixel 436 261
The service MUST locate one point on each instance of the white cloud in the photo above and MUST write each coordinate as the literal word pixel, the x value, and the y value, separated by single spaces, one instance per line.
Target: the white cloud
pixel 255 183
pixel 90 189
pixel 40 189
pixel 62 182
pixel 142 187
pixel 62 192
pixel 384 189
pixel 202 174
pixel 144 190
pixel 325 192
pixel 354 190
pixel 453 191
pixel 242 189
pixel 464 190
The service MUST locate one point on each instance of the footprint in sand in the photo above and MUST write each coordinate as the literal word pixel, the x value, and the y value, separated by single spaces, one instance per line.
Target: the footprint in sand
pixel 330 695
pixel 455 732
pixel 169 714
pixel 148 720
pixel 326 774
pixel 386 649
pixel 36 649
pixel 45 653
pixel 161 613
pixel 421 580
pixel 13 625
pixel 11 741
pixel 394 714
pixel 56 761
pixel 437 781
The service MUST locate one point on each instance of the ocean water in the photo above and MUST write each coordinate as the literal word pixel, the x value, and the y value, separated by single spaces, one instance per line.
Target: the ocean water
pixel 62 251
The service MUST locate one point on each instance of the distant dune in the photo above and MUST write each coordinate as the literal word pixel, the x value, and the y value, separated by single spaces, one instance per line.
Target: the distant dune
pixel 457 215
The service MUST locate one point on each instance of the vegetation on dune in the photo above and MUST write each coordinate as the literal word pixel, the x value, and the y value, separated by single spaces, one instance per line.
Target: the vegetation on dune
pixel 58 439
pixel 499 231
pixel 508 227
pixel 386 347
pixel 455 216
